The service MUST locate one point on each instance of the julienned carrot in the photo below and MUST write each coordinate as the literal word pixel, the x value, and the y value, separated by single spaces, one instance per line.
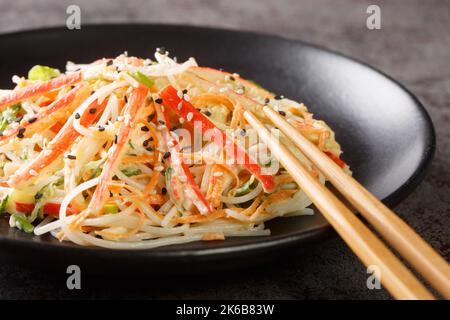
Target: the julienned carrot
pixel 56 147
pixel 130 111
pixel 32 125
pixel 188 112
pixel 20 94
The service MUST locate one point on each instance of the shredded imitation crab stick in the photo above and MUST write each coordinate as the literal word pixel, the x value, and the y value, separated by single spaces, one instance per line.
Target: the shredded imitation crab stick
pixel 188 112
pixel 20 94
pixel 56 147
pixel 31 125
pixel 135 103
pixel 204 77
pixel 181 168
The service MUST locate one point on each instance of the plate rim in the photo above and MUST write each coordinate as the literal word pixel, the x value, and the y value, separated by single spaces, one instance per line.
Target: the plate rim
pixel 283 241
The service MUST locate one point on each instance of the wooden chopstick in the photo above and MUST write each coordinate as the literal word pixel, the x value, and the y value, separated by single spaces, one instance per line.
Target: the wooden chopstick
pixel 402 237
pixel 397 279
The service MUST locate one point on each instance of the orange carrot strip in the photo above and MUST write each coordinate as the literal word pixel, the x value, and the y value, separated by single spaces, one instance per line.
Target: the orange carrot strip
pixel 153 182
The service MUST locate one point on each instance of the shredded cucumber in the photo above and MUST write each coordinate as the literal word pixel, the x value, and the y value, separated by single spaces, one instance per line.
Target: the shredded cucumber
pixel 3 204
pixel 142 78
pixel 42 73
pixel 8 116
pixel 247 187
pixel 22 223
pixel 110 208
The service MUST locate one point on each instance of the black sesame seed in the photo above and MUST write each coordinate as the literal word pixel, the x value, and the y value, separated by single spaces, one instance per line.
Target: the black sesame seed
pixel 207 113
pixel 92 110
pixel 19 119
pixel 92 92
pixel 151 139
pixel 77 115
pixel 166 155
pixel 161 50
pixel 21 132
pixel 159 101
pixel 31 120
pixel 72 87
pixel 145 143
pixel 71 157
pixel 266 100
pixel 125 98
pixel 149 149
pixel 161 122
pixel 163 190
pixel 282 113
pixel 145 129
pixel 278 97
pixel 232 78
pixel 243 132
pixel 185 91
pixel 150 117
pixel 173 128
pixel 38 195
pixel 115 138
pixel 109 62
pixel 100 128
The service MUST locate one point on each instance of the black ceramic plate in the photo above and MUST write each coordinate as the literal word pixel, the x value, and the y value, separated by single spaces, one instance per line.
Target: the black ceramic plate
pixel 386 134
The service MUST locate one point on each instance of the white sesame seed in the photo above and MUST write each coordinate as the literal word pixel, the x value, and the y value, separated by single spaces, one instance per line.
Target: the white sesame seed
pixel 180 94
pixel 161 127
pixel 222 90
pixel 159 168
pixel 33 172
pixel 186 97
pixel 240 91
pixel 182 178
pixel 180 105
pixel 181 120
pixel 218 174
pixel 189 116
pixel 170 144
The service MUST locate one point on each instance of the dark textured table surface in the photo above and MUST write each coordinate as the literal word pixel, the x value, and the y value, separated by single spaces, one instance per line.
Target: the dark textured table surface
pixel 413 46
